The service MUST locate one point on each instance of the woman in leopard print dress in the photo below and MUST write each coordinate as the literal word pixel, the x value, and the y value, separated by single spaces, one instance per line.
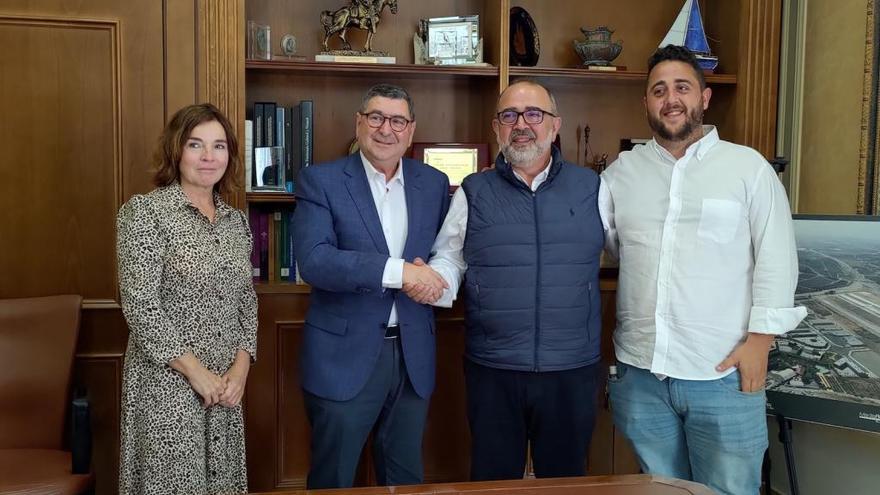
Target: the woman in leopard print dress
pixel 185 280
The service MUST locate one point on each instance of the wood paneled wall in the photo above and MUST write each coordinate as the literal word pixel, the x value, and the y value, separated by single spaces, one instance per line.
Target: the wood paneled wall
pixel 85 89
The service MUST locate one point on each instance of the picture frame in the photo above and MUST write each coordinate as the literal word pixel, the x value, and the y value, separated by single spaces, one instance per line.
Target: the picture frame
pixel 452 40
pixel 259 45
pixel 269 169
pixel 456 160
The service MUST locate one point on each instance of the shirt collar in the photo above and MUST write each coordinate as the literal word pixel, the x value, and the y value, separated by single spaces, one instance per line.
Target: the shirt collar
pixel 176 198
pixel 699 148
pixel 374 174
pixel 540 178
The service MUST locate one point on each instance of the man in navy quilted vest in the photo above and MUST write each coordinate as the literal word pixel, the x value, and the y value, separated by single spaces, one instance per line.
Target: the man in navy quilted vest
pixel 527 236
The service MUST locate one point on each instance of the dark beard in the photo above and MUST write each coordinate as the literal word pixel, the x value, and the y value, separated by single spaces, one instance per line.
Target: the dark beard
pixel 693 122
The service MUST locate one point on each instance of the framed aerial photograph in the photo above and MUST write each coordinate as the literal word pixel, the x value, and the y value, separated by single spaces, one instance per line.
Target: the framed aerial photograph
pixel 456 160
pixel 827 370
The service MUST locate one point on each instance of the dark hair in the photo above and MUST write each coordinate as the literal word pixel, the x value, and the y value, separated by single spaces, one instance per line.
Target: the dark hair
pixel 388 91
pixel 166 159
pixel 677 54
pixel 534 82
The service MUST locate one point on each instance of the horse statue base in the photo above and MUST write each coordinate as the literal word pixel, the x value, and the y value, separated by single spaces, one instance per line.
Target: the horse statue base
pixel 356 53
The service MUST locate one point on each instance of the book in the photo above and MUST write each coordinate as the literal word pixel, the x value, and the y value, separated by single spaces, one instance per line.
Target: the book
pixel 272 254
pixel 289 176
pixel 355 59
pixel 296 143
pixel 264 245
pixel 269 124
pixel 248 155
pixel 307 133
pixel 259 140
pixel 254 224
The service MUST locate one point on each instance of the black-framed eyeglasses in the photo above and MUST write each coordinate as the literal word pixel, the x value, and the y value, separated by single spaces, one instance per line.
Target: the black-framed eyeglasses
pixel 530 116
pixel 376 120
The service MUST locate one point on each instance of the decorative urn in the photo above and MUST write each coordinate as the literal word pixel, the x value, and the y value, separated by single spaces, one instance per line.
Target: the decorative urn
pixel 597 47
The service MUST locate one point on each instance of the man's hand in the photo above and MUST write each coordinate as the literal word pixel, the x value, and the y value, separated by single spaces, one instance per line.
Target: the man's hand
pixel 421 283
pixel 751 359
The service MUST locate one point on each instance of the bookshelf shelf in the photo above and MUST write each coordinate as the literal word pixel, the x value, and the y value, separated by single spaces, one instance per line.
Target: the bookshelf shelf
pixel 270 197
pixel 281 288
pixel 621 75
pixel 370 69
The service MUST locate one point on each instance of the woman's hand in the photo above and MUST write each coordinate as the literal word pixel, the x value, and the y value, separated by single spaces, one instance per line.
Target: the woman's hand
pixel 236 378
pixel 208 385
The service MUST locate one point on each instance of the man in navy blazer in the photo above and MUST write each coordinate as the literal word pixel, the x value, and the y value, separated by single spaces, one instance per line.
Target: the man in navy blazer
pixel 361 224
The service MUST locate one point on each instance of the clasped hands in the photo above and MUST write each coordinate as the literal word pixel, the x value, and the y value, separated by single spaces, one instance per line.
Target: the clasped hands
pixel 421 283
pixel 226 390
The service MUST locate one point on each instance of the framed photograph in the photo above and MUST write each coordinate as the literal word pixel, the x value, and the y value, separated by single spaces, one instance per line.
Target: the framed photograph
pixel 453 40
pixel 269 168
pixel 456 160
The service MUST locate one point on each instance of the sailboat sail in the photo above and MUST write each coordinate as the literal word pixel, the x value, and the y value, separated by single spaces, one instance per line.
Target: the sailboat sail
pixel 696 37
pixel 687 31
pixel 678 31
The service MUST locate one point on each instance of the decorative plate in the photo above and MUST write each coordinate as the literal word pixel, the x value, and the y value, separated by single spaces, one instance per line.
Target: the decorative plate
pixel 525 47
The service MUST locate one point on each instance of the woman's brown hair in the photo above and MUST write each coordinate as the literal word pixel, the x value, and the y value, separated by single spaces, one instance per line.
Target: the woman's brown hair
pixel 166 159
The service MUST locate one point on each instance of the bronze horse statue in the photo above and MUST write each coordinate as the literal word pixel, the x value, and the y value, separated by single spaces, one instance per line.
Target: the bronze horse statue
pixel 361 14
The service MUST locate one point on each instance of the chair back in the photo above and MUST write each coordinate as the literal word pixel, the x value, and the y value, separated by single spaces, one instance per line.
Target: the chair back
pixel 37 344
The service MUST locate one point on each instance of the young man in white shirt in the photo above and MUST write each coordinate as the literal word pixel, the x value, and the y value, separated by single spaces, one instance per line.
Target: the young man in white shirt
pixel 708 269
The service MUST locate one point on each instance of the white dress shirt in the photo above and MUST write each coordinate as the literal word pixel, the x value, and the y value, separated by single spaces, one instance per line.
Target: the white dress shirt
pixel 390 199
pixel 447 257
pixel 706 250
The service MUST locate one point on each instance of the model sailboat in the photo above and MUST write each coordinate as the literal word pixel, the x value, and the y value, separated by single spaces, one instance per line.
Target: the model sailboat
pixel 687 31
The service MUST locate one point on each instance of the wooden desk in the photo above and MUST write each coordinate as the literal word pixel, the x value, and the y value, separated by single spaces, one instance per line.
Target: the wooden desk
pixel 631 484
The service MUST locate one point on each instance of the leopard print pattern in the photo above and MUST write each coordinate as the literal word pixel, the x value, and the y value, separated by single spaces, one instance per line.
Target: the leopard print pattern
pixel 185 285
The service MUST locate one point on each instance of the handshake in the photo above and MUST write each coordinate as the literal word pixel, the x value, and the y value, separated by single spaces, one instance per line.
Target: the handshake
pixel 421 283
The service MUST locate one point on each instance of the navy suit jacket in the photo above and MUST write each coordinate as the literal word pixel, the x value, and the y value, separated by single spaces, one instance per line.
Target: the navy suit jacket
pixel 341 251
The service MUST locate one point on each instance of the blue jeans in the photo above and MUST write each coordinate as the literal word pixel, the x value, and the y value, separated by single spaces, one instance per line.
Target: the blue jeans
pixel 705 431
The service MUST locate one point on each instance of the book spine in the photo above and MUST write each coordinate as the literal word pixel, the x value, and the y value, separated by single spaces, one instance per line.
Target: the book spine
pixel 273 251
pixel 284 261
pixel 259 137
pixel 264 246
pixel 307 112
pixel 288 149
pixel 296 140
pixel 271 137
pixel 294 276
pixel 254 223
pixel 248 155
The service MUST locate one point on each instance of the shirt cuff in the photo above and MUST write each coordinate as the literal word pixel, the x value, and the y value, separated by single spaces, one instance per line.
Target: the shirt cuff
pixel 775 321
pixel 392 277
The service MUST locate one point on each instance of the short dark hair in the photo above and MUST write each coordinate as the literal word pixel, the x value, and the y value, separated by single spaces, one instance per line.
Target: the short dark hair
pixel 534 82
pixel 388 91
pixel 677 54
pixel 166 159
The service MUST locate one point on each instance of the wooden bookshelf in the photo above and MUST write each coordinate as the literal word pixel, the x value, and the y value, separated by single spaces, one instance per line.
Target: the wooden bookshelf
pixel 456 104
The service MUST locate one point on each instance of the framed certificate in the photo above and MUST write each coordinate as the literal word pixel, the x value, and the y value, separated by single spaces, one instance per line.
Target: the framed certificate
pixel 456 160
pixel 453 40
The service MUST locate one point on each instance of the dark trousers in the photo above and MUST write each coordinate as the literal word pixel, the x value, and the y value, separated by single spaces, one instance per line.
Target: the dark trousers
pixel 387 403
pixel 554 410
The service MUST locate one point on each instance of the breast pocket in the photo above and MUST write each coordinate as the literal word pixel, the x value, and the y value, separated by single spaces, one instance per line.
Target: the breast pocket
pixel 719 220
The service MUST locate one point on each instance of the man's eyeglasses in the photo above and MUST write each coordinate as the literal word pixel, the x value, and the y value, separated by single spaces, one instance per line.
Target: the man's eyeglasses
pixel 530 116
pixel 376 120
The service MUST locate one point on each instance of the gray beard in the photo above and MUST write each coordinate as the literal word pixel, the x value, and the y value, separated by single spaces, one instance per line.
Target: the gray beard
pixel 521 158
